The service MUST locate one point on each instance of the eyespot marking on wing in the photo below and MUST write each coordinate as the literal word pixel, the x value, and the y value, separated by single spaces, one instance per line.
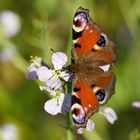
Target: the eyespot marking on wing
pixel 100 94
pixel 78 114
pixel 101 43
pixel 84 103
pixel 79 21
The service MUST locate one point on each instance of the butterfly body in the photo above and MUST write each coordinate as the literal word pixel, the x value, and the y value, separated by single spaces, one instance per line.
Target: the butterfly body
pixel 91 50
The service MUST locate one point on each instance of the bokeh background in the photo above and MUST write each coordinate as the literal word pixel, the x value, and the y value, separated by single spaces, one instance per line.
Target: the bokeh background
pixel 45 24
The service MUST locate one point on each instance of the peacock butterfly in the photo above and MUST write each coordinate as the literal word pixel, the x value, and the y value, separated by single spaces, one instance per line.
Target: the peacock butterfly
pixel 92 50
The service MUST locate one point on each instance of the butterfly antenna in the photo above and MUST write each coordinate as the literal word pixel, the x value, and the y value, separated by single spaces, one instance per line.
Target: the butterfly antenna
pixel 52 50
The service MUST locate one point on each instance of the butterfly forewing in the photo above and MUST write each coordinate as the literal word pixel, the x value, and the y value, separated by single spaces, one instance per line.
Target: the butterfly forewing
pixel 84 34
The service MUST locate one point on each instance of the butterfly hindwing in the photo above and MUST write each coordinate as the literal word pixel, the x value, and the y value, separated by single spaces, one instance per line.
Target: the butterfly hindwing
pixel 103 85
pixel 84 103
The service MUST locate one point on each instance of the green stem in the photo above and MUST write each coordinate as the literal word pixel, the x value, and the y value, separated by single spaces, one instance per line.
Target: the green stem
pixel 69 127
pixel 69 134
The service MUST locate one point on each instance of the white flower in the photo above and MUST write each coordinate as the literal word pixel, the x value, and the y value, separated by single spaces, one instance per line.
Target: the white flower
pixel 66 106
pixel 52 82
pixel 44 73
pixel 50 90
pixel 7 53
pixel 9 132
pixel 58 104
pixel 52 77
pixel 59 59
pixel 109 114
pixel 10 23
pixel 136 104
pixel 89 127
pixel 53 106
pixel 32 69
pixel 79 130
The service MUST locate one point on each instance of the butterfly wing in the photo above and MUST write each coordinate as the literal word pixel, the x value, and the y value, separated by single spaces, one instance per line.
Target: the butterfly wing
pixel 91 50
pixel 84 103
pixel 84 33
pixel 102 84
pixel 88 95
pixel 89 41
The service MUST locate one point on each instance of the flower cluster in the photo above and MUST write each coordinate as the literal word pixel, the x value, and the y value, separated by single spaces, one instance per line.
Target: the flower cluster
pixel 52 81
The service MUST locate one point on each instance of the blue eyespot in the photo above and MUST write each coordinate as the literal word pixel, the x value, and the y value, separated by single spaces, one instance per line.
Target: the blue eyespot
pixel 101 41
pixel 100 94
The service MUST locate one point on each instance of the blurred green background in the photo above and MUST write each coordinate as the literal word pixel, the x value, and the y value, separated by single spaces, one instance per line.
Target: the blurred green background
pixel 46 24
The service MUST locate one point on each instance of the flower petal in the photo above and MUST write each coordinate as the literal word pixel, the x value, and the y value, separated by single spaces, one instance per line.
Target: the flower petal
pixel 79 130
pixel 51 106
pixel 54 83
pixel 58 85
pixel 44 73
pixel 65 75
pixel 11 23
pixel 136 104
pixel 31 73
pixel 46 88
pixel 90 125
pixel 43 88
pixel 32 69
pixel 7 53
pixel 66 105
pixel 59 59
pixel 60 101
pixel 109 114
pixel 9 132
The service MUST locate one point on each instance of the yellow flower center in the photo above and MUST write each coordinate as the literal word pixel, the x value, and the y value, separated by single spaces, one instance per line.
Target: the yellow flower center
pixel 56 73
